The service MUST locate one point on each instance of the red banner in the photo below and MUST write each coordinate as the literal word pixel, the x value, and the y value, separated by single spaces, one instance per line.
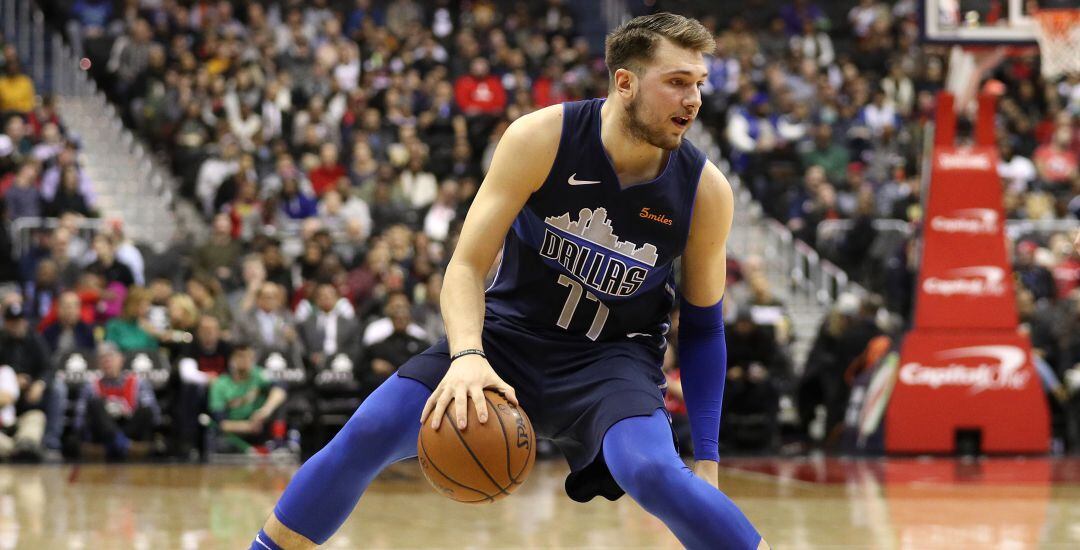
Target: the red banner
pixel 965 281
pixel 964 366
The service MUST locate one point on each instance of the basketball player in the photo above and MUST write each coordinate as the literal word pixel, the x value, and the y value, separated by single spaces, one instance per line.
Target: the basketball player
pixel 596 199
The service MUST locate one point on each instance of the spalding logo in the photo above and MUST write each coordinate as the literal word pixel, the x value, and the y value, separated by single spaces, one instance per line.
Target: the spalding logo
pixel 519 421
pixel 1000 372
pixel 976 281
pixel 522 433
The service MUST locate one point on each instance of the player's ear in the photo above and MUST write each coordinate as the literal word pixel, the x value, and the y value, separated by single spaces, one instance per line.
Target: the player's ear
pixel 625 80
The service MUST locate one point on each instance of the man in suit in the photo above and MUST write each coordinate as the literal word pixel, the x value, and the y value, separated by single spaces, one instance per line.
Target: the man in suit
pixel 327 332
pixel 69 333
pixel 270 327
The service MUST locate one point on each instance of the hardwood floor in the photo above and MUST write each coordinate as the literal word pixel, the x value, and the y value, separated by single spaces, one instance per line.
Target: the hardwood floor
pixel 799 504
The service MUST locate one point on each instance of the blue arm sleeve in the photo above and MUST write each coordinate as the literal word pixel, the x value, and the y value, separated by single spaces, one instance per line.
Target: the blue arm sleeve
pixel 703 365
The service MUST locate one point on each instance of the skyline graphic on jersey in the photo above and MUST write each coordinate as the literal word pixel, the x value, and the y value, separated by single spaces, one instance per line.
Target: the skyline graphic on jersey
pixel 594 227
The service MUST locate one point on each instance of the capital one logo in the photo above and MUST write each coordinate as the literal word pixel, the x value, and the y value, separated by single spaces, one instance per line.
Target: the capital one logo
pixel 964 161
pixel 977 282
pixel 974 221
pixel 995 368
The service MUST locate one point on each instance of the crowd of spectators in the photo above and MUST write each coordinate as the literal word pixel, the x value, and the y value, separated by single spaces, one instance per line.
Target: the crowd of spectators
pixel 333 153
pixel 334 147
pixel 40 174
pixel 824 106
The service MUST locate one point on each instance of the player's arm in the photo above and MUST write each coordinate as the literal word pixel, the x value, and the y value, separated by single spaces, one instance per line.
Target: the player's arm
pixel 521 163
pixel 702 349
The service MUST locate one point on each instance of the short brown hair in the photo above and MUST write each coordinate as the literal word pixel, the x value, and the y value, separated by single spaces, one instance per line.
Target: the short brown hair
pixel 635 41
pixel 135 298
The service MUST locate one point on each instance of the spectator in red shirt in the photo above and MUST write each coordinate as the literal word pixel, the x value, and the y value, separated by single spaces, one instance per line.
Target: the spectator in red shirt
pixel 44 112
pixel 89 288
pixel 1067 270
pixel 1056 163
pixel 479 92
pixel 549 89
pixel 246 210
pixel 325 176
pixel 117 408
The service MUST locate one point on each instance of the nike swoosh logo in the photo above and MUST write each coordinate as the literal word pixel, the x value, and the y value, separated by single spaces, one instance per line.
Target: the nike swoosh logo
pixel 574 181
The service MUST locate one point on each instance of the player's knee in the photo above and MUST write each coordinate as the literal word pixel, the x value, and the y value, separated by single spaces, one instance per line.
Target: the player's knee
pixel 364 430
pixel 380 431
pixel 649 480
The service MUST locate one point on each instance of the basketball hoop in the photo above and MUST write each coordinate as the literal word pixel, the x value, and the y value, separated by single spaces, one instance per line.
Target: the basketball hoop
pixel 1058 33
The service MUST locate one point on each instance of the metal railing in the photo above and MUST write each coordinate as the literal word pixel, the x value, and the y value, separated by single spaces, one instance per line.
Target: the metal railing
pixel 55 69
pixel 1017 229
pixel 23 229
pixel 811 276
pixel 1014 229
pixel 38 46
pixel 807 276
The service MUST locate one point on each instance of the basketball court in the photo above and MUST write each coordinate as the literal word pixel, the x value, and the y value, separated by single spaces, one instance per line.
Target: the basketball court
pixel 907 502
pixel 797 503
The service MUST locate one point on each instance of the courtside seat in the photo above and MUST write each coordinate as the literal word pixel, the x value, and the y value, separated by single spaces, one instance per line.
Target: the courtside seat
pixel 75 369
pixel 280 371
pixel 150 366
pixel 337 390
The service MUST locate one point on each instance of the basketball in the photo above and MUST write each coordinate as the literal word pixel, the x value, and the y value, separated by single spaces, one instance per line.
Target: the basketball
pixel 483 462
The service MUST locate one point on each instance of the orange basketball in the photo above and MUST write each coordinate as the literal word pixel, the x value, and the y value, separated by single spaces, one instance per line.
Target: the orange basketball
pixel 483 462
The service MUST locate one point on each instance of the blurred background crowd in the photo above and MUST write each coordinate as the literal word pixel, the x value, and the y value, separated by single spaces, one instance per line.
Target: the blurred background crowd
pixel 333 148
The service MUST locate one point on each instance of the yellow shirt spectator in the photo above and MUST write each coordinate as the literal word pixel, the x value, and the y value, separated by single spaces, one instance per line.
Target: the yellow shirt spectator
pixel 16 92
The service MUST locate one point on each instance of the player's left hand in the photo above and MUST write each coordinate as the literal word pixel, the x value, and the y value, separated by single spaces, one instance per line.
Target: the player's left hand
pixel 709 470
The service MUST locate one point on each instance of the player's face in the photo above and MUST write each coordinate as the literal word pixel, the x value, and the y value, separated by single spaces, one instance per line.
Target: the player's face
pixel 668 96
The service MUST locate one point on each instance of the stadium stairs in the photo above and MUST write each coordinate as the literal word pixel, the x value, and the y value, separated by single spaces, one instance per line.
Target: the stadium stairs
pixel 129 183
pixel 798 277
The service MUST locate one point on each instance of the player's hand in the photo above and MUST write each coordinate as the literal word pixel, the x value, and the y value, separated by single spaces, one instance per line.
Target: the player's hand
pixel 467 378
pixel 709 470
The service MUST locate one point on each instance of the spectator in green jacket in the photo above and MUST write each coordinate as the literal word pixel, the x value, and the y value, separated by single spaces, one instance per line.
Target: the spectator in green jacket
pixel 243 402
pixel 132 330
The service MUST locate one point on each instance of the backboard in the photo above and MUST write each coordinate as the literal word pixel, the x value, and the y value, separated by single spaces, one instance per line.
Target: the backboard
pixel 975 22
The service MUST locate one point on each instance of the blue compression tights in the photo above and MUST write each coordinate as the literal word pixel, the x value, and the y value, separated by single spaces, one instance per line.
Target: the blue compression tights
pixel 327 487
pixel 642 459
pixel 638 451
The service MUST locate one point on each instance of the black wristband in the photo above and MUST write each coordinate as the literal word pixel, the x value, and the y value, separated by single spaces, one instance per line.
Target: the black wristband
pixel 464 352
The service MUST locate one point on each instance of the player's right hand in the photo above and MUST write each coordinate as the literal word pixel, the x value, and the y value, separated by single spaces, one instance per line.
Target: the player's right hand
pixel 467 378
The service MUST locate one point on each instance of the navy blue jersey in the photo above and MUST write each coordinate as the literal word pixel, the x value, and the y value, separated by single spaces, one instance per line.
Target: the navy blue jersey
pixel 588 259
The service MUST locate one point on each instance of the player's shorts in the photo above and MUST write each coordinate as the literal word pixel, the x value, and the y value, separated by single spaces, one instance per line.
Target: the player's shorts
pixel 572 391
